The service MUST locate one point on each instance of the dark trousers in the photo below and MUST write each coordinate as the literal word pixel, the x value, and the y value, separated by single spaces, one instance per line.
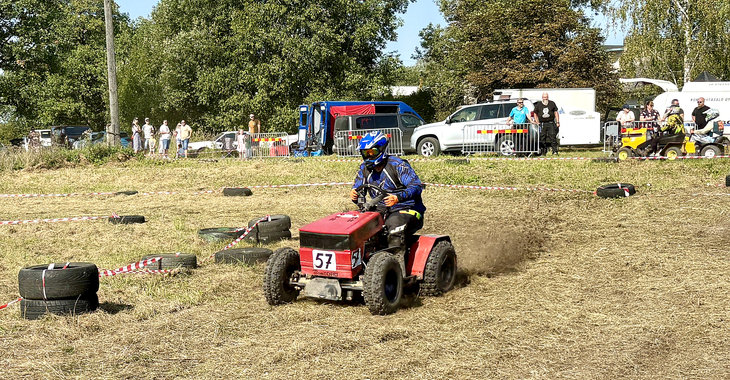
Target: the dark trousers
pixel 401 225
pixel 664 140
pixel 549 136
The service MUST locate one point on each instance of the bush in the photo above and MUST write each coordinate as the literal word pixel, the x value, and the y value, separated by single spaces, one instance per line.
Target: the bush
pixel 54 158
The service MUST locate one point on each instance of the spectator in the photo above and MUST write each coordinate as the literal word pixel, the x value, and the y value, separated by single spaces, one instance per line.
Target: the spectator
pixel 254 126
pixel 519 114
pixel 241 144
pixel 136 137
pixel 185 133
pixel 649 113
pixel 547 115
pixel 34 139
pixel 164 139
pixel 178 142
pixel 625 117
pixel 149 136
pixel 698 114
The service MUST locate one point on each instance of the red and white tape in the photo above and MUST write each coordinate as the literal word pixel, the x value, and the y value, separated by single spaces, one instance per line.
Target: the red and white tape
pixel 506 188
pixel 677 158
pixel 10 303
pixel 128 268
pixel 51 195
pixel 299 185
pixel 238 239
pixel 151 271
pixel 74 219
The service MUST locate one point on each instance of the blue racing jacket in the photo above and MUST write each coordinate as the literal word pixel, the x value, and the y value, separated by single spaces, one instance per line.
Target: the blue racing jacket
pixel 409 191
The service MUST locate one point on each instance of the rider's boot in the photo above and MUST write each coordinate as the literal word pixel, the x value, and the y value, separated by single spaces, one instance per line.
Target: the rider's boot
pixel 396 244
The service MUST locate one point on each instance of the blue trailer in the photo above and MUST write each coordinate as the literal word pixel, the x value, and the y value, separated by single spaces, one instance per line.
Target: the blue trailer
pixel 316 122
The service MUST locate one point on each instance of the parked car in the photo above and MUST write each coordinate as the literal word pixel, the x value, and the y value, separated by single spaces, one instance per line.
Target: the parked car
pixel 448 135
pixel 407 123
pixel 72 133
pixel 200 146
pixel 94 138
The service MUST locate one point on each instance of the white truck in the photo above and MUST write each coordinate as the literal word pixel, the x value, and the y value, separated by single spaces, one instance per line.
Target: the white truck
pixel 580 124
pixel 716 94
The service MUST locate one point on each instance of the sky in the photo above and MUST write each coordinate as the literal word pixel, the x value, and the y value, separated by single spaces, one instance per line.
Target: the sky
pixel 418 16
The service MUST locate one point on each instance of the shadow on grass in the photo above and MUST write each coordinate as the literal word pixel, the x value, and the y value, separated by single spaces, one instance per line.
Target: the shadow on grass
pixel 114 308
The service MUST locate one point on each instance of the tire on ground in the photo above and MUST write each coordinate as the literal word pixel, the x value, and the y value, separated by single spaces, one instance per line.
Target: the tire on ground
pixel 440 273
pixel 127 219
pixel 277 223
pixel 605 159
pixel 237 191
pixel 383 284
pixel 457 161
pixel 127 192
pixel 249 256
pixel 616 190
pixel 274 236
pixel 172 261
pixel 279 268
pixel 36 309
pixel 76 279
pixel 220 234
pixel 727 181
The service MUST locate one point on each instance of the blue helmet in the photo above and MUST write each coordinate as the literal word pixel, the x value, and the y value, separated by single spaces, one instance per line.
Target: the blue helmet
pixel 372 148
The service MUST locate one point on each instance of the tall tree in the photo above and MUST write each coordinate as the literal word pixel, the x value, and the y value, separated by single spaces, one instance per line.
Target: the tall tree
pixel 518 44
pixel 216 61
pixel 675 40
pixel 52 61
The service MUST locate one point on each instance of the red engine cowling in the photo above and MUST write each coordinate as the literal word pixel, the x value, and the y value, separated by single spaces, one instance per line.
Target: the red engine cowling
pixel 334 246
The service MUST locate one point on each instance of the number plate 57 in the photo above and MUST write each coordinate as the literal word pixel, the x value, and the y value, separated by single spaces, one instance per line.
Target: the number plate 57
pixel 324 260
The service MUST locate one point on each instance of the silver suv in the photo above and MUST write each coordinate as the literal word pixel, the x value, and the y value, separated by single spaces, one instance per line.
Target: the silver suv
pixel 448 135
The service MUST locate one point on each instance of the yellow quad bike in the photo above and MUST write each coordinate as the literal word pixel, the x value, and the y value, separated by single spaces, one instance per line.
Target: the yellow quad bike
pixel 631 138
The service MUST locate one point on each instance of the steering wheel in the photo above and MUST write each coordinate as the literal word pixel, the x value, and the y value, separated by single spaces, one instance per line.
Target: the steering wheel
pixel 370 205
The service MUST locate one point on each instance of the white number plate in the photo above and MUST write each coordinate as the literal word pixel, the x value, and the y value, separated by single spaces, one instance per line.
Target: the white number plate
pixel 324 260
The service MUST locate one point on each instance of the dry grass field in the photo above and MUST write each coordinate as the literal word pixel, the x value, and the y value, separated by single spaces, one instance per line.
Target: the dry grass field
pixel 552 285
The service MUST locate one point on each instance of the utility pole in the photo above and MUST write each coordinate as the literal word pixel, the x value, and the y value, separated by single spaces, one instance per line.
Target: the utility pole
pixel 112 130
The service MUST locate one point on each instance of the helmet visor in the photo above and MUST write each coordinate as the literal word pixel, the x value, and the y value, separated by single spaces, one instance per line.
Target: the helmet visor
pixel 370 154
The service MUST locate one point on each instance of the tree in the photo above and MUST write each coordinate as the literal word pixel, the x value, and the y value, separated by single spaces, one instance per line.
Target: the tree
pixel 516 44
pixel 52 57
pixel 675 40
pixel 214 62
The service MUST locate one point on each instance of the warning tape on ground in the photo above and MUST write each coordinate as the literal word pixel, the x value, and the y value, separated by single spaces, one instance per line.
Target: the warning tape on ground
pixel 677 158
pixel 10 303
pixel 507 188
pixel 128 268
pixel 52 195
pixel 74 219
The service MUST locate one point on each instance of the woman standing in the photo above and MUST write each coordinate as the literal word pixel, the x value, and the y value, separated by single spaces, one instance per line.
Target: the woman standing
pixel 136 138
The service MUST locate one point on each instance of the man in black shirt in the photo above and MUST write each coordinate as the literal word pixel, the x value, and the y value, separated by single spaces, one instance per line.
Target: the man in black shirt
pixel 547 114
pixel 698 115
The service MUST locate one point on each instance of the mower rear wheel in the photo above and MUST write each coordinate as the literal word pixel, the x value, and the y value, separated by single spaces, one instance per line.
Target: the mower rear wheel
pixel 711 151
pixel 383 284
pixel 279 269
pixel 440 273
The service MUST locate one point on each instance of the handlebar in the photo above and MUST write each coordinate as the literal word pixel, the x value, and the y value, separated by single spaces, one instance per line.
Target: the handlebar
pixel 370 205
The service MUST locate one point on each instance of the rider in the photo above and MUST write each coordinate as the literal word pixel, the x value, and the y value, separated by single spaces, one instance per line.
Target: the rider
pixel 403 206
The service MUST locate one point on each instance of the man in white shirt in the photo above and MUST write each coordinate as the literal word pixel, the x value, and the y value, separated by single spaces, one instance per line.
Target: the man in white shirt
pixel 625 117
pixel 164 139
pixel 149 133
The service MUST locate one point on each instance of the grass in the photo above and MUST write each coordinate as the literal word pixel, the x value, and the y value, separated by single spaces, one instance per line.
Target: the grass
pixel 552 285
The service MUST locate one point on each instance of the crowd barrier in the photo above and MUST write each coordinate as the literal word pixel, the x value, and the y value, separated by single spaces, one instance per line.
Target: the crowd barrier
pixel 504 139
pixel 346 142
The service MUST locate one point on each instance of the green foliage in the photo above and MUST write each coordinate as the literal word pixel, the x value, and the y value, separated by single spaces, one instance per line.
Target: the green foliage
pixel 55 158
pixel 214 62
pixel 53 61
pixel 675 40
pixel 513 44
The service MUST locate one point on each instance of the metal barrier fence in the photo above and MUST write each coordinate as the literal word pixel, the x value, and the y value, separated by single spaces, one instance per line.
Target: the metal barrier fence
pixel 263 145
pixel 501 138
pixel 611 135
pixel 346 142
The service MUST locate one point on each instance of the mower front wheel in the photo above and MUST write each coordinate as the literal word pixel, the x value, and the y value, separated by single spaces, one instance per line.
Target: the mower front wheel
pixel 383 284
pixel 279 270
pixel 625 153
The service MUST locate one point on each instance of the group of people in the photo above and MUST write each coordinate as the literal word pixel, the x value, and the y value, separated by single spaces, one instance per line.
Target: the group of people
pixel 143 138
pixel 546 114
pixel 672 129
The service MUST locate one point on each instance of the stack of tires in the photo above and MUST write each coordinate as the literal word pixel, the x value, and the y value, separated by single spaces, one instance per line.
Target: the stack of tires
pixel 68 288
pixel 274 229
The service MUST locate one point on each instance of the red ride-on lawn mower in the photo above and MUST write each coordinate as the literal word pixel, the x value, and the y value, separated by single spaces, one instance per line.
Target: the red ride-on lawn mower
pixel 347 254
